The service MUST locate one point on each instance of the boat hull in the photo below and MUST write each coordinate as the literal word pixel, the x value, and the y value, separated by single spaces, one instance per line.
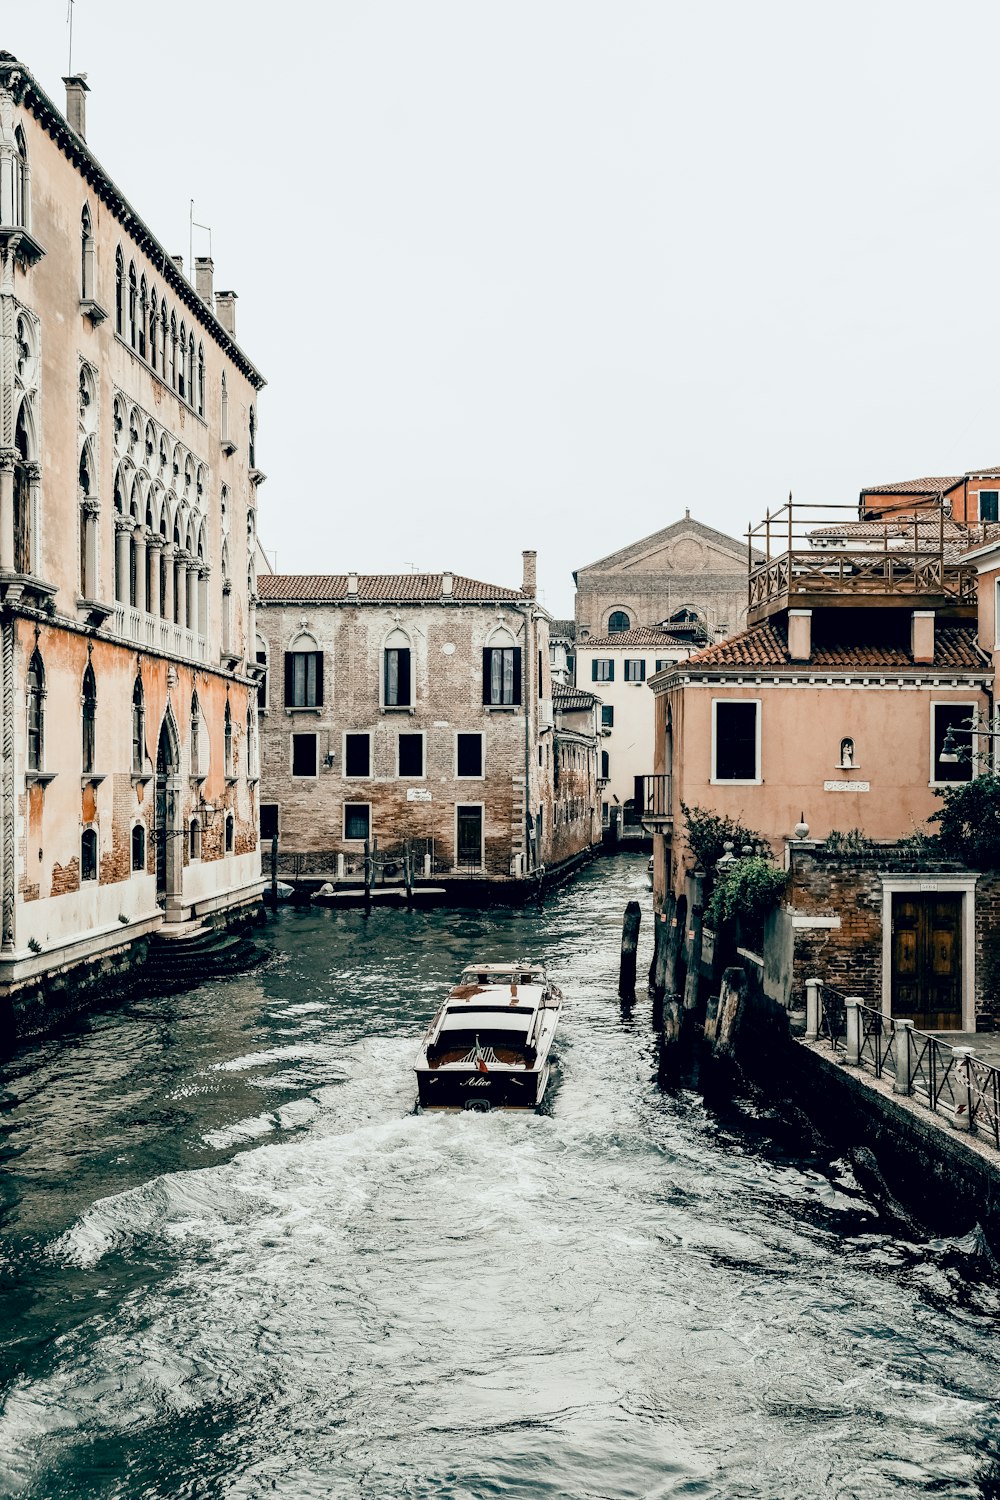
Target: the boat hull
pixel 440 1088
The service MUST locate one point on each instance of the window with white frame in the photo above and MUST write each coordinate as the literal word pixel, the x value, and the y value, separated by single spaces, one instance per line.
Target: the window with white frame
pixel 952 742
pixel 989 510
pixel 357 820
pixel 502 672
pixel 736 739
pixel 304 676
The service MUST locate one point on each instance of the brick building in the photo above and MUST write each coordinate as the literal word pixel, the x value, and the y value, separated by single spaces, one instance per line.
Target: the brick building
pixel 128 479
pixel 408 711
pixel 577 779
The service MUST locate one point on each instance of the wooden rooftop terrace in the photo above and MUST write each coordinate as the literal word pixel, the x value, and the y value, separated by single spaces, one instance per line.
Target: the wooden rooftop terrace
pixel 831 556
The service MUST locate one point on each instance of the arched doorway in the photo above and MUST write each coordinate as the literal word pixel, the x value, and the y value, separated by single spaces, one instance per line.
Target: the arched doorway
pixel 168 853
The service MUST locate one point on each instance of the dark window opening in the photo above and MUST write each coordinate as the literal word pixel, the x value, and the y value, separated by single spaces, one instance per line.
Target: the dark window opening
pixel 955 717
pixel 230 832
pixel 470 755
pixel 138 847
pixel 89 719
pixel 357 755
pixel 88 854
pixel 269 820
pixel 607 716
pixel 303 755
pixel 36 725
pixel 469 830
pixel 736 741
pixel 502 675
pixel 988 505
pixel 261 660
pixel 618 622
pixel 411 755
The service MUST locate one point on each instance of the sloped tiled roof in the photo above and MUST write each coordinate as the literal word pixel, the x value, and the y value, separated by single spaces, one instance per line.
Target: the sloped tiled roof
pixel 927 486
pixel 572 697
pixel 766 645
pixel 639 635
pixel 566 629
pixel 406 588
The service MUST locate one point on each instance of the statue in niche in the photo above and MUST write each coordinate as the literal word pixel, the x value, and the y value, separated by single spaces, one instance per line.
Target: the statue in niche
pixel 847 754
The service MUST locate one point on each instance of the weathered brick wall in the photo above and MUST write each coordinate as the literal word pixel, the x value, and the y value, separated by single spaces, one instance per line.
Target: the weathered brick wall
pixel 575 825
pixel 988 950
pixel 446 642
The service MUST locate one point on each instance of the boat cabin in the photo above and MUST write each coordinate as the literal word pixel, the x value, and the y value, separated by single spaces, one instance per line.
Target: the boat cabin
pixel 492 1013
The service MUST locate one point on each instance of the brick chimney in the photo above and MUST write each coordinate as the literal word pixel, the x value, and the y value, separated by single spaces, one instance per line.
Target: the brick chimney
pixel 447 585
pixel 800 634
pixel 77 90
pixel 922 635
pixel 528 584
pixel 204 267
pixel 225 311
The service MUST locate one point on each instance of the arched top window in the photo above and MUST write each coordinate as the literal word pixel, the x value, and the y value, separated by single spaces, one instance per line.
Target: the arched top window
pixel 153 312
pixel 88 854
pixel 181 382
pixel 21 203
pixel 86 255
pixel 618 621
pixel 138 728
pixel 85 476
pixel 253 758
pixel 230 832
pixel 36 711
pixel 397 670
pixel 190 369
pixel 252 446
pixel 143 307
pixel 194 839
pixel 224 412
pixel 261 658
pixel 195 735
pixel 201 380
pixel 500 636
pixel 501 670
pixel 133 298
pixel 89 720
pixel 227 742
pixel 173 350
pixel 138 847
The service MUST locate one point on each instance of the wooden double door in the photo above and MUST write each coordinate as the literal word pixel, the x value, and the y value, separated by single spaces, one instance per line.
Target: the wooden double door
pixel 927 959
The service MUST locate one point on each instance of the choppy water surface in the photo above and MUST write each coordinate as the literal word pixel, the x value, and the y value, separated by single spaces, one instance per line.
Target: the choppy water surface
pixel 235 1263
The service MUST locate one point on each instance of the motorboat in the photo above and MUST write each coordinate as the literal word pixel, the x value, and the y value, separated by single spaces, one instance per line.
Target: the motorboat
pixel 488 1045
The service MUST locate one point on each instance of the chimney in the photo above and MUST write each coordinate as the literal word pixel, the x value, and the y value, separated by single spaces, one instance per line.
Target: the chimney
pixel 800 634
pixel 76 103
pixel 528 581
pixel 204 266
pixel 447 585
pixel 922 635
pixel 225 311
pixel 178 262
pixel 352 585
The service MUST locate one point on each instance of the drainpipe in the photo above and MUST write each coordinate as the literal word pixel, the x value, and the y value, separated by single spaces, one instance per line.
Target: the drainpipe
pixel 529 652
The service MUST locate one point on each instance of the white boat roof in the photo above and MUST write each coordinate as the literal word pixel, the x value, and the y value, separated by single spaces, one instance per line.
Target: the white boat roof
pixel 494 997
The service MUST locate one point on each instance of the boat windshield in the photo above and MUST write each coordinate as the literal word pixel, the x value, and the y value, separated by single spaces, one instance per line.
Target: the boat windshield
pixel 496 975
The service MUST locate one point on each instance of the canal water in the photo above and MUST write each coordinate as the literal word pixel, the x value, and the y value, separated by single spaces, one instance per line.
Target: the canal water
pixel 235 1262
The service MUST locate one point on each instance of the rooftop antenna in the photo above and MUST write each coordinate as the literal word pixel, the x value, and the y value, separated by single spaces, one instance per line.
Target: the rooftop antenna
pixel 192 226
pixel 69 18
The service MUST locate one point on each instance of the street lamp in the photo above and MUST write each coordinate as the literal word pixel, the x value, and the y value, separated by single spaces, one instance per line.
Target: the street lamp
pixel 951 754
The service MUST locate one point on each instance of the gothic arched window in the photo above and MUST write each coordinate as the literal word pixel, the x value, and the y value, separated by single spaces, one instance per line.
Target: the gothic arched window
pixel 138 847
pixel 228 740
pixel 182 360
pixel 201 380
pixel 89 720
pixel 22 205
pixel 133 299
pixel 87 278
pixel 36 712
pixel 252 446
pixel 138 728
pixel 397 671
pixel 143 307
pixel 119 292
pixel 195 735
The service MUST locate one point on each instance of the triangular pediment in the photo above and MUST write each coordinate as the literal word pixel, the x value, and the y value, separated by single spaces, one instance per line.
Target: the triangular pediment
pixel 685 547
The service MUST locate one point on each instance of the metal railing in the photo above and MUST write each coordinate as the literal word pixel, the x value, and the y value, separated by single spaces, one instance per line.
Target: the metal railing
pixel 656 797
pixel 950 1080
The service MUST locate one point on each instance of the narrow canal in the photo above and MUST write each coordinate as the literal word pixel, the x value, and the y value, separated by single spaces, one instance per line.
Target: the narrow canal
pixel 235 1262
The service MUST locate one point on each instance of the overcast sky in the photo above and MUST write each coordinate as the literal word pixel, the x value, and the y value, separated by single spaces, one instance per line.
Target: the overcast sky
pixel 541 273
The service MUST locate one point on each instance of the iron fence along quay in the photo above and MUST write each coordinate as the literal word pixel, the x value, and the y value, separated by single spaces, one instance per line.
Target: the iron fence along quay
pixel 950 1080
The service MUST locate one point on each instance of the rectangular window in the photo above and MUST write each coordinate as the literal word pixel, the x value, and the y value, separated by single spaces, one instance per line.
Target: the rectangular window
pixel 303 679
pixel 602 669
pixel 607 716
pixel 357 820
pixel 988 505
pixel 735 740
pixel 357 755
pixel 411 755
pixel 269 820
pixel 304 754
pixel 261 659
pixel 635 669
pixel 469 754
pixel 502 675
pixel 956 718
pixel 469 837
pixel 662 662
pixel 570 666
pixel 396 677
pixel 540 675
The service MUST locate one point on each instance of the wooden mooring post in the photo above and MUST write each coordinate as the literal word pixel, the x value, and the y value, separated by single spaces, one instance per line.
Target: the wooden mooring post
pixel 630 946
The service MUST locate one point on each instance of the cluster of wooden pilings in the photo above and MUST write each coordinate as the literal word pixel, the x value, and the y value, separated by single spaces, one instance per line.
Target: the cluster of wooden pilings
pixel 700 1002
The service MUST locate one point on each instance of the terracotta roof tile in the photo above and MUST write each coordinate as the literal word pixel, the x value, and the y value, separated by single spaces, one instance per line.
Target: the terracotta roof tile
pixel 406 588
pixel 929 485
pixel 639 635
pixel 955 649
pixel 572 697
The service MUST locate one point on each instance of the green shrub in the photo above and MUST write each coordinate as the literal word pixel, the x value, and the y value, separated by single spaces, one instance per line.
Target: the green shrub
pixel 970 821
pixel 709 833
pixel 746 892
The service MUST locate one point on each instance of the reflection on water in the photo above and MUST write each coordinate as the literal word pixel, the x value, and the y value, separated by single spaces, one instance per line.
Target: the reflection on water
pixel 235 1262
